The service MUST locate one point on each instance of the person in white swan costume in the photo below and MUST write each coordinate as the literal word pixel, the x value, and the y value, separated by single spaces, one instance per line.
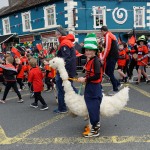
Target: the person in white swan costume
pixel 110 106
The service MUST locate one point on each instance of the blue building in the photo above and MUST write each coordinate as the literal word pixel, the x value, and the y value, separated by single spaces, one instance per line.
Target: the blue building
pixel 36 21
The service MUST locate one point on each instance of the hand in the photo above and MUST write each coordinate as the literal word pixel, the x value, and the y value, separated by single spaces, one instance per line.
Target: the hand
pixel 81 79
pixel 102 61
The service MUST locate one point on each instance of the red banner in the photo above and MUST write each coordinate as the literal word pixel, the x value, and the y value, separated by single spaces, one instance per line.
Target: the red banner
pixel 48 34
pixel 27 38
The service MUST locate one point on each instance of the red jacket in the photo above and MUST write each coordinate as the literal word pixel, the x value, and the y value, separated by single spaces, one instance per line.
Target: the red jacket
pixel 24 62
pixel 122 58
pixel 142 50
pixel 36 78
pixel 111 48
pixel 20 71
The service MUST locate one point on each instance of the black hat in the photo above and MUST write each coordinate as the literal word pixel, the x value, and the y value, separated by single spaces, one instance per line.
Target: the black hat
pixel 104 28
pixel 61 31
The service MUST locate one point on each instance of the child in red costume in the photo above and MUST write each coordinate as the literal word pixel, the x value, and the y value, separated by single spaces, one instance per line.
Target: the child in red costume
pixel 142 59
pixel 36 79
pixel 9 72
pixel 49 76
pixel 20 74
pixel 122 62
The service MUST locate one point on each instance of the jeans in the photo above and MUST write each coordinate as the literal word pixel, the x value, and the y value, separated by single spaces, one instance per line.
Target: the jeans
pixel 110 67
pixel 61 93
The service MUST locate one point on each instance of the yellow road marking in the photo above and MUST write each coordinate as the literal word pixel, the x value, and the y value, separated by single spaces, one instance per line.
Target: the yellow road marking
pixel 136 111
pixel 2 134
pixel 30 131
pixel 81 140
pixel 140 90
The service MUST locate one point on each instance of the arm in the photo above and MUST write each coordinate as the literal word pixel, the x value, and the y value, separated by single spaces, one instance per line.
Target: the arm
pixel 107 47
pixel 64 52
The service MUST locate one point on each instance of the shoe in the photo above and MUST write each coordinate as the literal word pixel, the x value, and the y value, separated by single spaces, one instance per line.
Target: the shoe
pixel 34 105
pixel 147 81
pixel 120 86
pixel 97 127
pixel 2 101
pixel 60 112
pixel 111 93
pixel 48 90
pixel 20 101
pixel 93 133
pixel 44 107
pixel 125 79
pixel 137 83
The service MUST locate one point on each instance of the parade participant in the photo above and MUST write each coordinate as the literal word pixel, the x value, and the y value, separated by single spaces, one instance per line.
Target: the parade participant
pixel 111 57
pixel 67 52
pixel 20 73
pixel 122 62
pixel 36 79
pixel 49 76
pixel 92 93
pixel 142 59
pixel 126 68
pixel 9 73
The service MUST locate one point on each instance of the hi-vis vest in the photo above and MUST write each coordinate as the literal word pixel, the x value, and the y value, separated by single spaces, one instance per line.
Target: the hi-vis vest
pixel 89 67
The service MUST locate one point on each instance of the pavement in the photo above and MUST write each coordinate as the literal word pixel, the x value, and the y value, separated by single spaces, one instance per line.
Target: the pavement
pixel 25 128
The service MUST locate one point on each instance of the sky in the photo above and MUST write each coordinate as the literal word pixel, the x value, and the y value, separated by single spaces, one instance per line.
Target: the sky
pixel 3 3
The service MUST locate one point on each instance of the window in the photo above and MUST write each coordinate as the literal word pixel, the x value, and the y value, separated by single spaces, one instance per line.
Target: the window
pixel 6 26
pixel 139 17
pixel 99 16
pixel 26 21
pixel 50 16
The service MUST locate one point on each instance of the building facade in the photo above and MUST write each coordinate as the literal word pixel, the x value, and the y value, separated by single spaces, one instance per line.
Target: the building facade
pixel 36 21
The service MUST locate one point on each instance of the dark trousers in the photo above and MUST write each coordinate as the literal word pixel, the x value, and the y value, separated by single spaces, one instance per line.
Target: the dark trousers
pixel 126 68
pixel 20 82
pixel 61 93
pixel 38 97
pixel 8 86
pixel 110 67
pixel 48 82
pixel 133 63
pixel 93 98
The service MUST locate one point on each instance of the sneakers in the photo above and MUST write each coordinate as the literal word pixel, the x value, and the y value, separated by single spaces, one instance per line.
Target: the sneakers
pixel 147 81
pixel 2 101
pixel 93 133
pixel 34 105
pixel 125 79
pixel 20 101
pixel 60 112
pixel 48 90
pixel 44 107
pixel 111 93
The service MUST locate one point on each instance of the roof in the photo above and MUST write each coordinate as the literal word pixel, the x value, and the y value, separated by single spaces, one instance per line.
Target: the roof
pixel 24 4
pixel 4 38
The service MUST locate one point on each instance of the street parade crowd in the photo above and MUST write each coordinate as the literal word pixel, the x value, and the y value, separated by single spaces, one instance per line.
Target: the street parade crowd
pixel 25 64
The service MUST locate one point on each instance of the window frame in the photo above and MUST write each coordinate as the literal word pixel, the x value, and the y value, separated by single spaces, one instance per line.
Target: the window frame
pixel 135 8
pixel 4 25
pixel 94 8
pixel 46 15
pixel 23 21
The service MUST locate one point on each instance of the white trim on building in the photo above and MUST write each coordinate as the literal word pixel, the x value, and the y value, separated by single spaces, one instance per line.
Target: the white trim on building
pixel 26 21
pixel 99 16
pixel 139 17
pixel 6 26
pixel 50 16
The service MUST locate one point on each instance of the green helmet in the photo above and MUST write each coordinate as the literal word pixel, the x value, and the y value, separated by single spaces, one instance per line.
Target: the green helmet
pixel 143 39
